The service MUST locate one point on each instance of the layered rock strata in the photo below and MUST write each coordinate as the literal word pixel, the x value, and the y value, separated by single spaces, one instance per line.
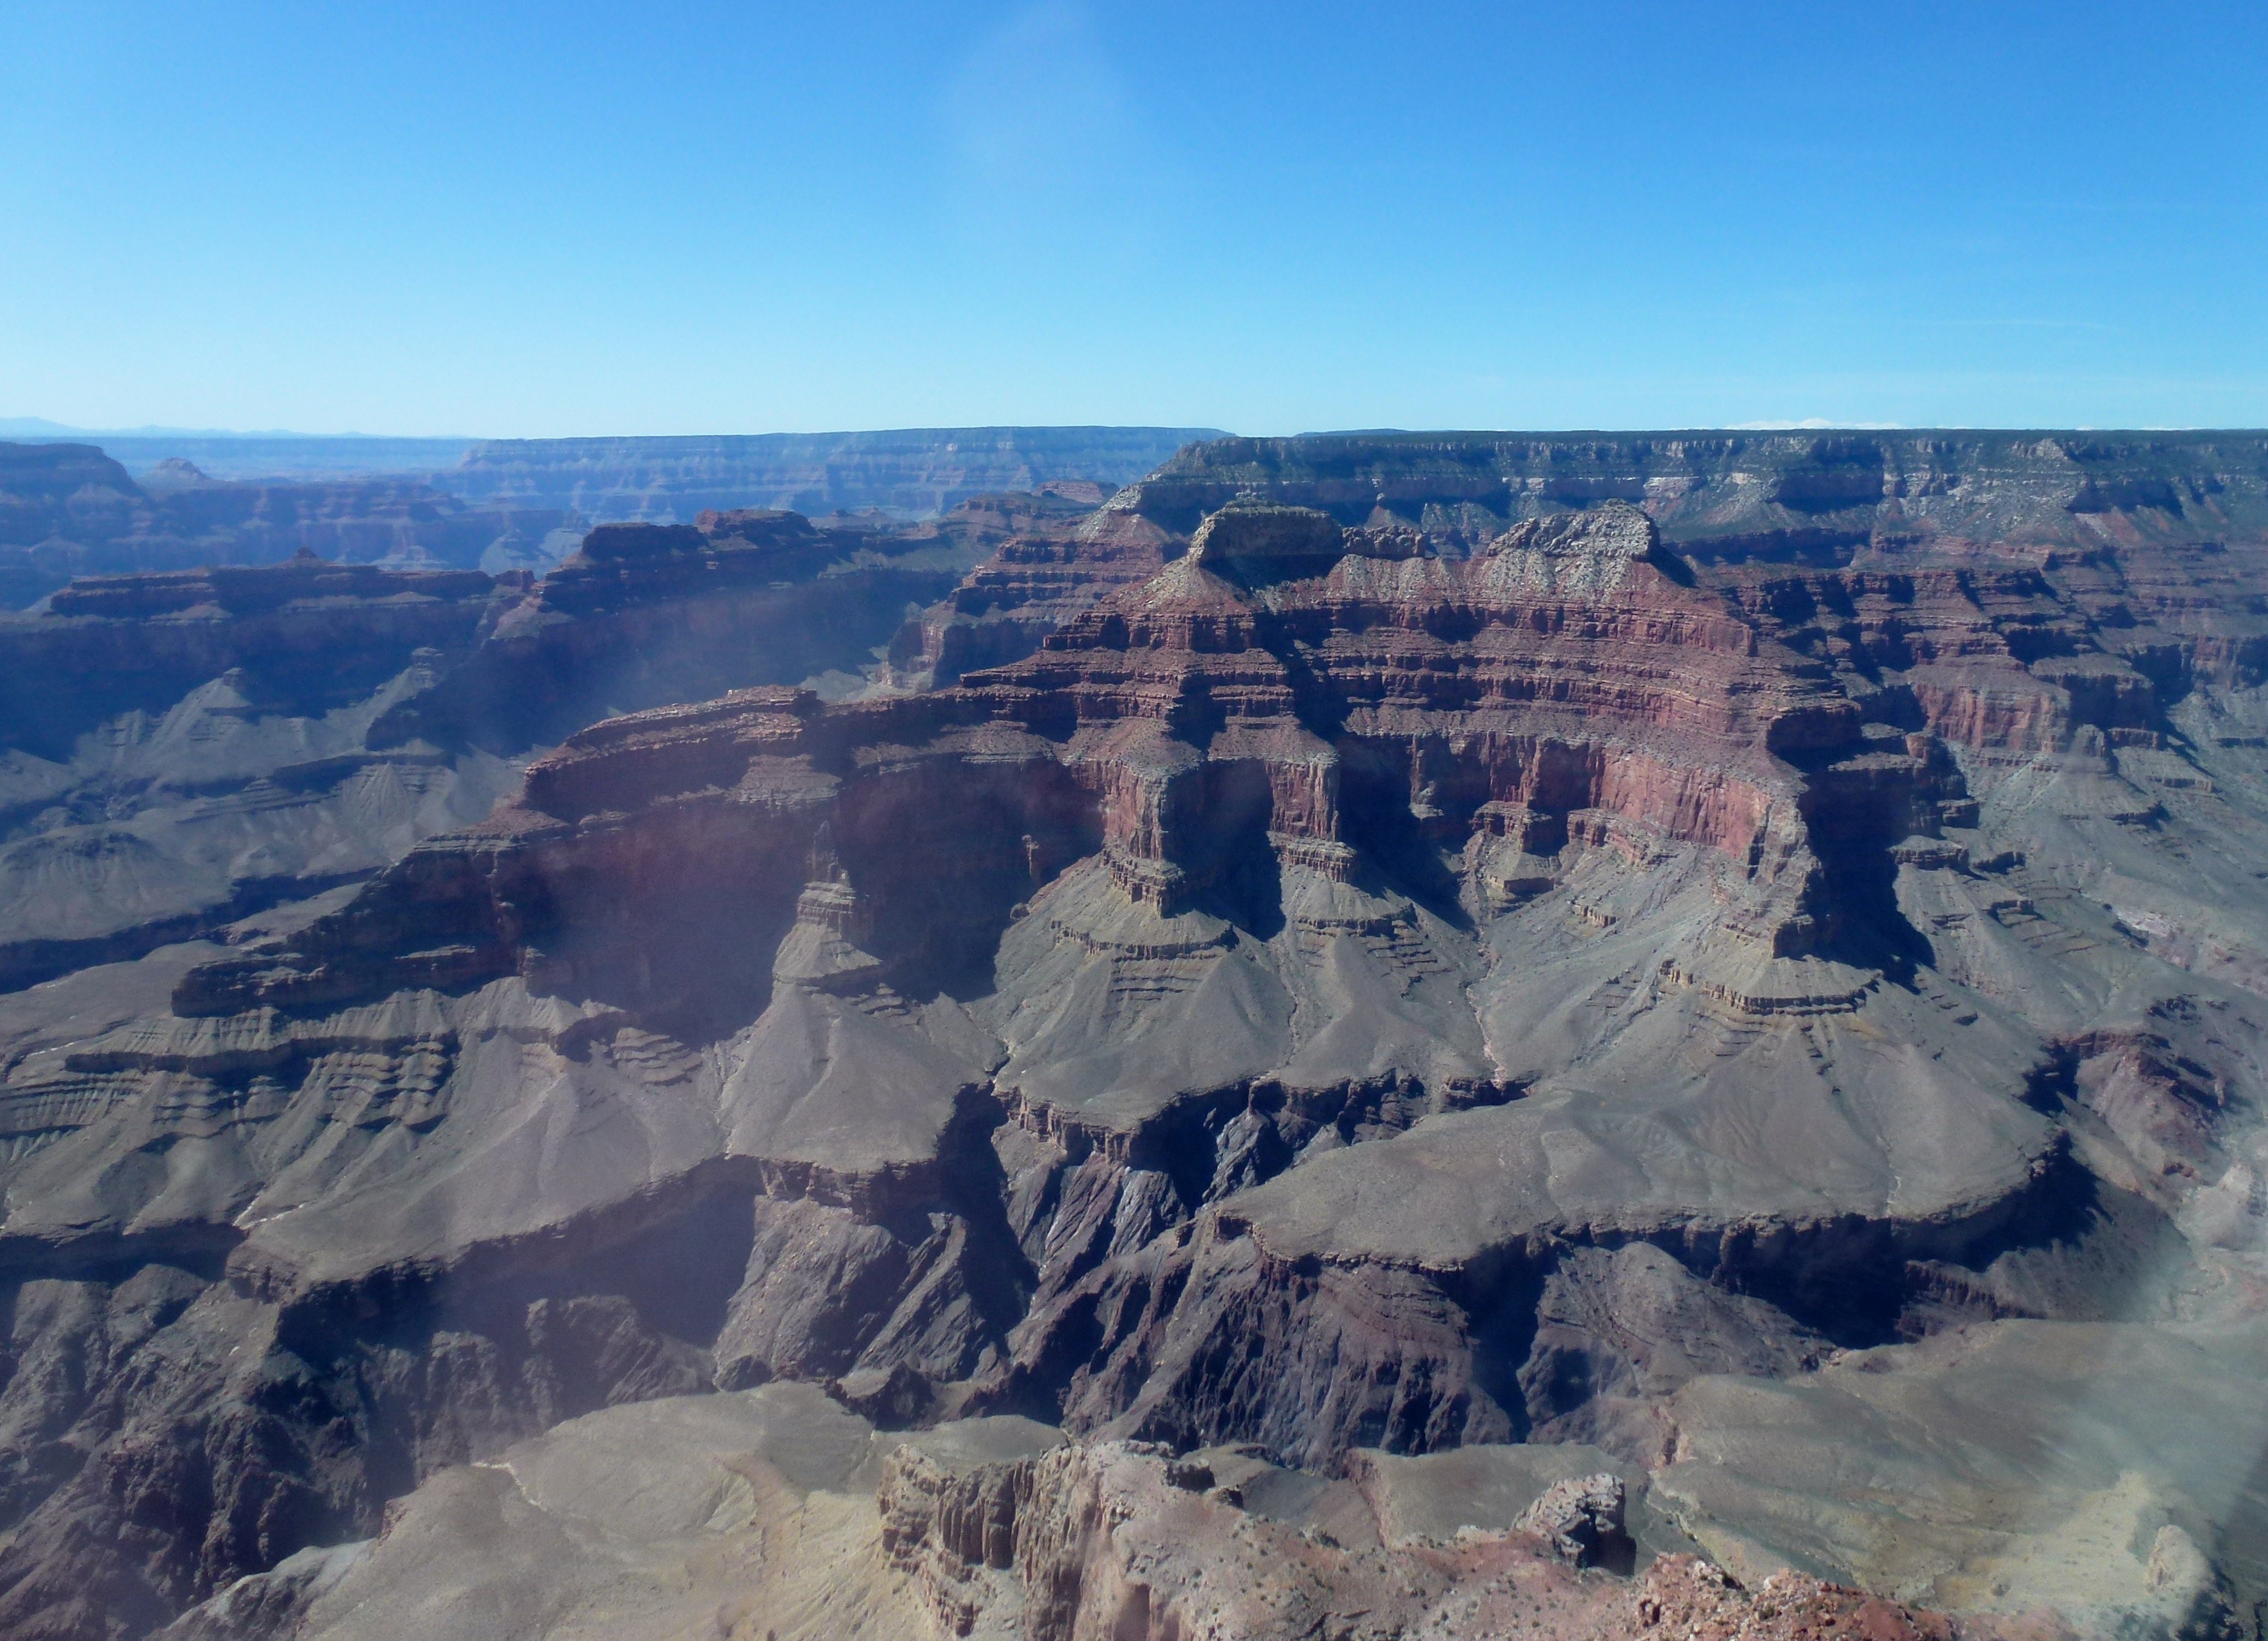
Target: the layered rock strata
pixel 2044 500
pixel 1342 992
pixel 1726 496
pixel 178 749
pixel 907 473
pixel 68 509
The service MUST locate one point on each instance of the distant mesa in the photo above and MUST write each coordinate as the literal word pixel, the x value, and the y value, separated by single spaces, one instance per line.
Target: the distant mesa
pixel 906 472
pixel 173 474
pixel 1254 538
pixel 70 509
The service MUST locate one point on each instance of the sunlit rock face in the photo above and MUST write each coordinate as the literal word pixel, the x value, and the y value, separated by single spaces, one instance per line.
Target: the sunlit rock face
pixel 1373 978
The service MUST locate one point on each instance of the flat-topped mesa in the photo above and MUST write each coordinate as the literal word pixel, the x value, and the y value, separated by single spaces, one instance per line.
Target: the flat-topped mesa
pixel 223 590
pixel 306 631
pixel 621 564
pixel 758 527
pixel 1266 541
pixel 637 543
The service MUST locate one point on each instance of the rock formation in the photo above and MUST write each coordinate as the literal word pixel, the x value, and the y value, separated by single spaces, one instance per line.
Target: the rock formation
pixel 185 747
pixel 68 509
pixel 909 473
pixel 1743 1044
pixel 1722 496
pixel 771 1514
pixel 290 456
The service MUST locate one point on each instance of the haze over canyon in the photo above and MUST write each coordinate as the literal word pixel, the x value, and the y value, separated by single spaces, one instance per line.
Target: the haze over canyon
pixel 1129 1033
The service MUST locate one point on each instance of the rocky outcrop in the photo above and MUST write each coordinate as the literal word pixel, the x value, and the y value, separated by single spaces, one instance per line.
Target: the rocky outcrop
pixel 1116 1540
pixel 648 614
pixel 193 746
pixel 1581 1519
pixel 1082 1542
pixel 759 1514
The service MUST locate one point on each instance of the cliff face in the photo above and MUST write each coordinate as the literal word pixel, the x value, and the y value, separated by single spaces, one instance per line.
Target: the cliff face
pixel 911 473
pixel 1056 563
pixel 1783 500
pixel 1791 497
pixel 1356 990
pixel 184 748
pixel 68 509
pixel 647 614
pixel 307 631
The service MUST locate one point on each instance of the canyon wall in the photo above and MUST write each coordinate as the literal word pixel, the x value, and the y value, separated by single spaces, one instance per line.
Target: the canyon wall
pixel 1365 986
pixel 68 509
pixel 185 748
pixel 911 473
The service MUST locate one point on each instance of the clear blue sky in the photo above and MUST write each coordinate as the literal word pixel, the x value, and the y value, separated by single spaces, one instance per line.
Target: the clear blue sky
pixel 679 217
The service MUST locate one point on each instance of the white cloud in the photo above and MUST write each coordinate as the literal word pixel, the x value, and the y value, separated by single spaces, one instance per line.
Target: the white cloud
pixel 1811 423
pixel 1042 137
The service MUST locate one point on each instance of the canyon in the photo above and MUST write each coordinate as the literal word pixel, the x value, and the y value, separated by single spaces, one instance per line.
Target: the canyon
pixel 71 510
pixel 1364 1035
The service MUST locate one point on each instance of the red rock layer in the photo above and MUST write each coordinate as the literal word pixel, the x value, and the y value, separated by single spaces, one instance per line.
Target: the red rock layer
pixel 1191 729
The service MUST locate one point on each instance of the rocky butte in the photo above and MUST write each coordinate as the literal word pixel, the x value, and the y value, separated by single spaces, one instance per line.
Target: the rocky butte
pixel 1379 1037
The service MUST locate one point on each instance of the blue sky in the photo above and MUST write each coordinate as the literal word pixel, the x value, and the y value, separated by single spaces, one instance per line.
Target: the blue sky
pixel 680 217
